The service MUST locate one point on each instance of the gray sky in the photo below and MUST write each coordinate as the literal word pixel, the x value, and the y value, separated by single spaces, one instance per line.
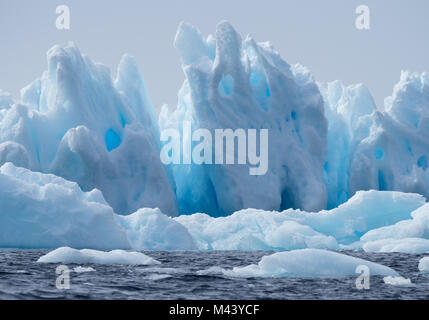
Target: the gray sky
pixel 318 34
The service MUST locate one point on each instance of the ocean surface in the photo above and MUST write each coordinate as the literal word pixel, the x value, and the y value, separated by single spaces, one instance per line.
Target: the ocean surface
pixel 178 277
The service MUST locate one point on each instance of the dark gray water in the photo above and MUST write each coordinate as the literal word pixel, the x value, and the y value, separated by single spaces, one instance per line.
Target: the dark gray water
pixel 21 277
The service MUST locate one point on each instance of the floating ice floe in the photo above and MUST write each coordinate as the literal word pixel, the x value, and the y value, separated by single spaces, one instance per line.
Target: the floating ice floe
pixel 397 281
pixel 69 255
pixel 80 269
pixel 306 263
pixel 424 264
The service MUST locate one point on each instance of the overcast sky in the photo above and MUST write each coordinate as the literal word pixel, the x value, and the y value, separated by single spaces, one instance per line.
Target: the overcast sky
pixel 319 34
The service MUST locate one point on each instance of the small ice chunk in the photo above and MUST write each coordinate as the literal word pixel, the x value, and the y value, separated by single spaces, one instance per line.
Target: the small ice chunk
pixel 397 281
pixel 69 255
pixel 156 277
pixel 162 270
pixel 424 264
pixel 80 269
pixel 211 271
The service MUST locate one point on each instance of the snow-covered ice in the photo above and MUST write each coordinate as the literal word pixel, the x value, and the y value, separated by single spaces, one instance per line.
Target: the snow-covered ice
pixel 84 256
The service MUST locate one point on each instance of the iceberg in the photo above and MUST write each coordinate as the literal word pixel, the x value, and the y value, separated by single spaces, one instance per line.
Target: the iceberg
pixel 45 211
pixel 377 148
pixel 233 83
pixel 85 256
pixel 76 122
pixel 80 157
pixel 329 151
pixel 308 263
pixel 327 141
